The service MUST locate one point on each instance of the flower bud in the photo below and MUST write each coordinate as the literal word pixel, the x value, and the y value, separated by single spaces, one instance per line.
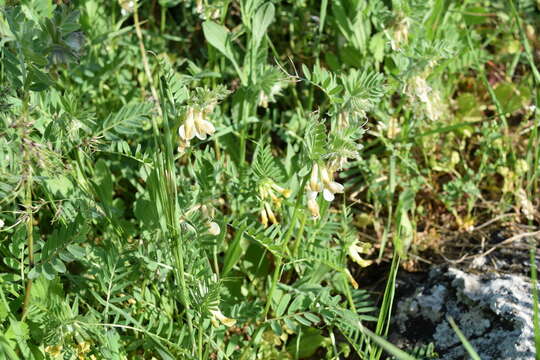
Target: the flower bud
pixel 314 183
pixel 312 204
pixel 264 217
pixel 270 213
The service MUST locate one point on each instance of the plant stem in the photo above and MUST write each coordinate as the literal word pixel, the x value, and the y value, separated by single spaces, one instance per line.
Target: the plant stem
pixel 279 259
pixel 275 279
pixel 145 59
pixel 163 18
pixel 30 237
pixel 200 343
pixel 299 236
pixel 169 200
pixel 28 206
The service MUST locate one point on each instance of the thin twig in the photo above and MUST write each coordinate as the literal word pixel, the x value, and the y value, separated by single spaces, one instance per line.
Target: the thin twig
pixel 492 221
pixel 493 248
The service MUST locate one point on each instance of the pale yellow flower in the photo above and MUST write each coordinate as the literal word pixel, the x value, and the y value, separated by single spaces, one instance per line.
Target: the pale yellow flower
pixel 263 99
pixel 270 213
pixel 322 179
pixel 264 217
pixel 268 189
pixel 82 349
pixel 312 204
pixel 195 124
pixel 314 183
pixel 418 88
pixel 54 351
pixel 216 314
pixel 401 34
pixel 354 252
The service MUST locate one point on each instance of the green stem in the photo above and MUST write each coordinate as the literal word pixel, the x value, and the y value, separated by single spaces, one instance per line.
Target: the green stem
pixel 534 139
pixel 29 213
pixel 183 288
pixel 243 133
pixel 299 236
pixel 200 344
pixel 30 237
pixel 169 198
pixel 275 279
pixel 163 19
pixel 348 293
pixel 279 259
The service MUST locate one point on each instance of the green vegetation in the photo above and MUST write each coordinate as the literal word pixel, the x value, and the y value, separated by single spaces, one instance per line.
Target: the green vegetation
pixel 210 179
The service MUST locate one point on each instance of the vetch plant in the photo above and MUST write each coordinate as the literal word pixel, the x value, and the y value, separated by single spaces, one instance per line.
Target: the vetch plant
pixel 211 179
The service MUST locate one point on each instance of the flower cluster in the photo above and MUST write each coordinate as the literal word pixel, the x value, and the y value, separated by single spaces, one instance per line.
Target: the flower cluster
pixel 269 193
pixel 207 11
pixel 418 88
pixel 321 179
pixel 196 125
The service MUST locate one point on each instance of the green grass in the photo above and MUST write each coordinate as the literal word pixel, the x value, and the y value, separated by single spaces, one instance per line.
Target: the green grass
pixel 208 179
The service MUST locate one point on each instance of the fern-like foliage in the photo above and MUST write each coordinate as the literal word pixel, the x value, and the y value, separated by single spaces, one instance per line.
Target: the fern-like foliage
pixel 265 166
pixel 61 247
pixel 315 139
pixel 363 90
pixel 127 121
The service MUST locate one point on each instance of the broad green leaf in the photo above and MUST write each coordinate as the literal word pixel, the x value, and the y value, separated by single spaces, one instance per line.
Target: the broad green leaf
pixel 312 317
pixel 48 271
pixel 262 19
pixel 35 272
pixel 76 251
pixel 283 303
pixel 302 320
pixel 219 37
pixel 58 265
pixel 233 253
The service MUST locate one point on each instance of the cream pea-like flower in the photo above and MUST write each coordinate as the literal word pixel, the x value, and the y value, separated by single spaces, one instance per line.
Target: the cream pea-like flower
pixel 312 204
pixel 196 125
pixel 217 314
pixel 354 252
pixel 325 181
pixel 419 89
pixel 321 179
pixel 330 189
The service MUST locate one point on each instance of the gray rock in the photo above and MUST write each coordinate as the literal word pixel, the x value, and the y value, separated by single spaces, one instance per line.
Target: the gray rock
pixel 494 311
